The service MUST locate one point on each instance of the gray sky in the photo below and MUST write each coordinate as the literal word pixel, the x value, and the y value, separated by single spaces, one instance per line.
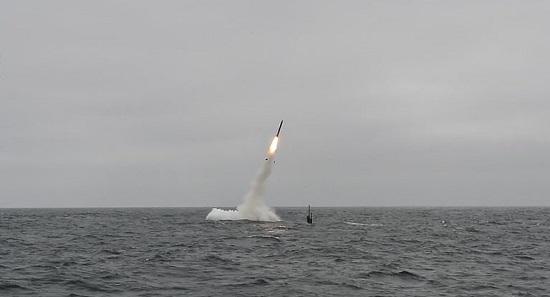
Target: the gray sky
pixel 173 103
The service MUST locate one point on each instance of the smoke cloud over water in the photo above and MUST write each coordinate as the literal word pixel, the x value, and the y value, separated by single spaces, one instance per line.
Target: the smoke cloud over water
pixel 253 208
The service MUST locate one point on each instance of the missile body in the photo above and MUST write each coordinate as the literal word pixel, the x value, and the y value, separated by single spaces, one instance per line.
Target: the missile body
pixel 279 131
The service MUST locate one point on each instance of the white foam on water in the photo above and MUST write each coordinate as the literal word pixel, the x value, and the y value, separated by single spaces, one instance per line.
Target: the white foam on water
pixel 355 224
pixel 362 224
pixel 253 208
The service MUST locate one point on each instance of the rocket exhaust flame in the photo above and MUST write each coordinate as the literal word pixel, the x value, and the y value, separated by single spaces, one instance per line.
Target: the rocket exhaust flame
pixel 273 146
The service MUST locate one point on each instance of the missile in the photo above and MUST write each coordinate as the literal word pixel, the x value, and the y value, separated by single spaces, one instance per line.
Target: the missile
pixel 279 131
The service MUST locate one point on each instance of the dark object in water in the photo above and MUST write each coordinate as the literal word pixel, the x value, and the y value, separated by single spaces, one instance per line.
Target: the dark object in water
pixel 309 217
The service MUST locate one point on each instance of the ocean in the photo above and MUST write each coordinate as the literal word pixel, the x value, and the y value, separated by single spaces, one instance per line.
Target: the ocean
pixel 345 252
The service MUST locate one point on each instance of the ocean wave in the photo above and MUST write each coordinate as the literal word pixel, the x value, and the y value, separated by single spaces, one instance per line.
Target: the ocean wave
pixel 471 229
pixel 523 257
pixel 339 284
pixel 404 275
pixel 218 260
pixel 82 284
pixel 265 237
pixel 256 282
pixel 11 286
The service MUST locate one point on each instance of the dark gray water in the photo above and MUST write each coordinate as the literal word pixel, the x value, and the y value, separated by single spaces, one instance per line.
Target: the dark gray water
pixel 346 252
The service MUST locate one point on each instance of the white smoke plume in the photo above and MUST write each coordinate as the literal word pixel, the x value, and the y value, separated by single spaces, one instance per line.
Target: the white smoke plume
pixel 253 208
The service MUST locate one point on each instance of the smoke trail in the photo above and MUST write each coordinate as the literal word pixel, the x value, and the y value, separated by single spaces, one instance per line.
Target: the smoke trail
pixel 253 208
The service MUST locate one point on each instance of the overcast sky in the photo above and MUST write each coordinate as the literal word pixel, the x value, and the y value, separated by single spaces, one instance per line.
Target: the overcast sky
pixel 174 103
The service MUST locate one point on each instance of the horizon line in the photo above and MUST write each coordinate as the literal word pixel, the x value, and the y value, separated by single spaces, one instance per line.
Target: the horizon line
pixel 321 206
